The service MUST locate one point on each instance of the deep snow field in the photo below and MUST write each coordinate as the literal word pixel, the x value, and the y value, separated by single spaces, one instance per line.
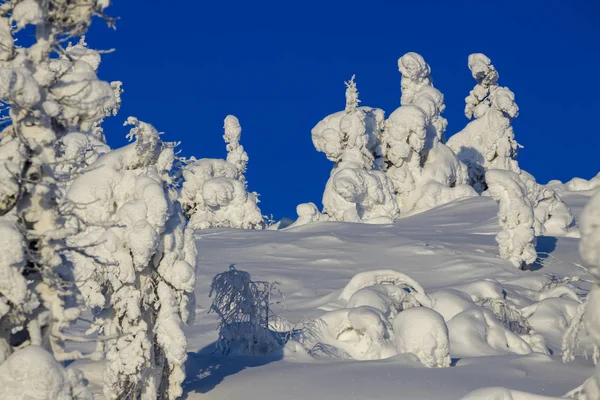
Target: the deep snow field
pixel 450 247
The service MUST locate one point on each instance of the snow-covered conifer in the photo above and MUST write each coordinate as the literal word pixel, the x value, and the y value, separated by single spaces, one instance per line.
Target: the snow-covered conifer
pixel 52 92
pixel 488 142
pixel 413 146
pixel 215 192
pixel 589 250
pixel 357 190
pixel 517 240
pixel 139 273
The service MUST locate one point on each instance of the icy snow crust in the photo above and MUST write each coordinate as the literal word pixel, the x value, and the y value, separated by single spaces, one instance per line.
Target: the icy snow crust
pixel 411 308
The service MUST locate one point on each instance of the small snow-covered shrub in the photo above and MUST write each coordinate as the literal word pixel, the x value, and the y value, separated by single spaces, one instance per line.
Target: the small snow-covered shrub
pixel 386 276
pixel 214 191
pixel 423 332
pixel 307 213
pixel 552 215
pixel 516 241
pixel 32 373
pixel 244 310
pixel 488 142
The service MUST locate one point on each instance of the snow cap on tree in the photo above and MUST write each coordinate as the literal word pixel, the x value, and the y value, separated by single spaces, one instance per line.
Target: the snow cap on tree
pixel 351 95
pixel 236 154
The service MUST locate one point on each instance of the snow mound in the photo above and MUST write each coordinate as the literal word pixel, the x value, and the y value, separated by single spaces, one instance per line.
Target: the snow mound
pixel 423 332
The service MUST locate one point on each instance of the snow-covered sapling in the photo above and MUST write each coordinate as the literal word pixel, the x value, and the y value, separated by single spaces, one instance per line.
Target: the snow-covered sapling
pixel 517 240
pixel 215 192
pixel 244 310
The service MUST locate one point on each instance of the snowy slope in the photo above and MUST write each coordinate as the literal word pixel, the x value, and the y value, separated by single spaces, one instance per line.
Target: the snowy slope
pixel 443 248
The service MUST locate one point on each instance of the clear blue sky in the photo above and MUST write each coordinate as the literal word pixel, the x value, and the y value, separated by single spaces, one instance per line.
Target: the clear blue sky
pixel 280 68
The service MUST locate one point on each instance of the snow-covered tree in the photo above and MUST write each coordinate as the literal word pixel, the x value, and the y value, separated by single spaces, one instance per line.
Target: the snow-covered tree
pixel 488 142
pixel 357 190
pixel 552 216
pixel 517 240
pixel 53 93
pixel 215 192
pixel 244 310
pixel 138 275
pixel 589 251
pixel 424 171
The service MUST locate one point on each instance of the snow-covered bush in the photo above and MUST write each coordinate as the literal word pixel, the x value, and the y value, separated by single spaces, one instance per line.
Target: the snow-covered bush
pixel 244 310
pixel 551 215
pixel 575 184
pixel 589 318
pixel 54 95
pixel 357 191
pixel 32 373
pixel 517 240
pixel 214 192
pixel 424 171
pixel 488 142
pixel 423 332
pixel 138 275
pixel 307 213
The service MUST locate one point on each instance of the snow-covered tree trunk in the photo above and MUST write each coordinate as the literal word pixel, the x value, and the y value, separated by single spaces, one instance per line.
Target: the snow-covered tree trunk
pixel 53 92
pixel 517 240
pixel 140 279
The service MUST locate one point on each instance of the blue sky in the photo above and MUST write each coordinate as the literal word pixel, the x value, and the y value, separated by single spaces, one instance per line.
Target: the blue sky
pixel 280 68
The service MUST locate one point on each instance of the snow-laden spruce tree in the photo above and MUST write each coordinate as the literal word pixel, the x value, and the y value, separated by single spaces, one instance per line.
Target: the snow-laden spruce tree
pixel 138 275
pixel 215 192
pixel 517 240
pixel 487 142
pixel 52 92
pixel 424 171
pixel 357 190
pixel 589 251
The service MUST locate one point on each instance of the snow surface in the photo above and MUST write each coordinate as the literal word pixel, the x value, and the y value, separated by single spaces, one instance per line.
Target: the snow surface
pixel 446 257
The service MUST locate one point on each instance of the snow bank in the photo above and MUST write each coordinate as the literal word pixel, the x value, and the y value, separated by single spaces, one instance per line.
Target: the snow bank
pixel 32 373
pixel 423 332
pixel 504 394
